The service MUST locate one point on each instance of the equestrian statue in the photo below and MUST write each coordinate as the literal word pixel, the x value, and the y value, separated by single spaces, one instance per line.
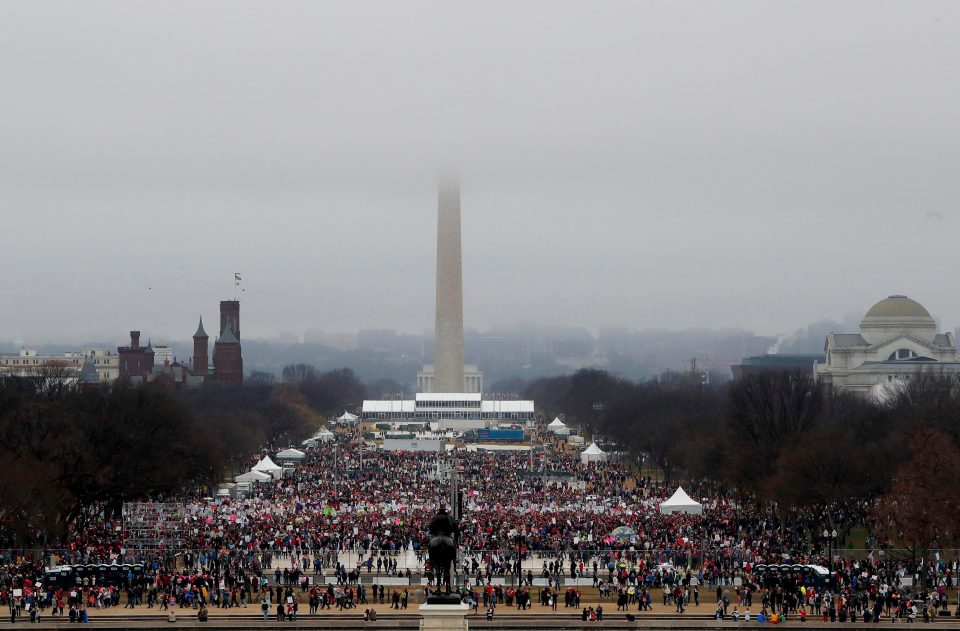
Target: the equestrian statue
pixel 443 552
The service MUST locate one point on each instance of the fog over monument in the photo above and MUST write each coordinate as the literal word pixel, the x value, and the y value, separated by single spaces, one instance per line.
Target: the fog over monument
pixel 449 335
pixel 625 163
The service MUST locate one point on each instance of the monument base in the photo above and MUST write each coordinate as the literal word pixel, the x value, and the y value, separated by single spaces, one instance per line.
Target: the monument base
pixel 442 598
pixel 444 617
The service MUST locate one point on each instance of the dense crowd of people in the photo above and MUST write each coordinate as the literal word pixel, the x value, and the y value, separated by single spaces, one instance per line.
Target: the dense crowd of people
pixel 306 539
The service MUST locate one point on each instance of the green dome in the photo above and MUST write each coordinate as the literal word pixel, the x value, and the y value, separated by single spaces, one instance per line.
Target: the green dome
pixel 898 307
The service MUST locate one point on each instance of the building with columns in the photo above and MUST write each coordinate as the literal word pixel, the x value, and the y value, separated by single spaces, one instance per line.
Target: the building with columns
pixel 897 339
pixel 472 379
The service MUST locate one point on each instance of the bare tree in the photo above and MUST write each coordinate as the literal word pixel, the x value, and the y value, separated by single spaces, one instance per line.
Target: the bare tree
pixel 54 378
pixel 298 374
pixel 261 378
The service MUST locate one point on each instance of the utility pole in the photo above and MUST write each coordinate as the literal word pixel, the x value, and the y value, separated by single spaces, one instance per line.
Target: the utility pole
pixel 531 452
pixel 598 408
pixel 454 490
pixel 456 506
pixel 544 468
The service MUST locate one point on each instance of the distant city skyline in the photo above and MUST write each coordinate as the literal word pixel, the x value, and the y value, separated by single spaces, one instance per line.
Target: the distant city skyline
pixel 314 334
pixel 523 351
pixel 348 337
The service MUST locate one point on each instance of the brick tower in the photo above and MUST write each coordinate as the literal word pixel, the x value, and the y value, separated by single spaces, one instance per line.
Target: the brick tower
pixel 230 311
pixel 201 346
pixel 227 355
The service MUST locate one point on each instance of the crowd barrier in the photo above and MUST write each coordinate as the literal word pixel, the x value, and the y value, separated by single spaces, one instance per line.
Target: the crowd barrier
pixel 414 562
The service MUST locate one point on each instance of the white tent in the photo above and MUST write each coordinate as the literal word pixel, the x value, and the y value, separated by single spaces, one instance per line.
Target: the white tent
pixel 253 476
pixel 680 502
pixel 593 454
pixel 556 424
pixel 322 436
pixel 291 455
pixel 347 419
pixel 268 466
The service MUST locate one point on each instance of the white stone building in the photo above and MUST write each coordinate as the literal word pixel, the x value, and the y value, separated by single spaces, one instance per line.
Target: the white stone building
pixel 458 411
pixel 28 361
pixel 106 362
pixel 898 338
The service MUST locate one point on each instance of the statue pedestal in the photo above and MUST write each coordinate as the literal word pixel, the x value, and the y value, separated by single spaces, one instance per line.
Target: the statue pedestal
pixel 444 617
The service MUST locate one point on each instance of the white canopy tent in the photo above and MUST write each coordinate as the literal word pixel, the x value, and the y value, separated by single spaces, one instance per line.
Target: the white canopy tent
pixel 322 436
pixel 680 502
pixel 291 455
pixel 556 424
pixel 559 429
pixel 593 454
pixel 347 419
pixel 253 476
pixel 269 467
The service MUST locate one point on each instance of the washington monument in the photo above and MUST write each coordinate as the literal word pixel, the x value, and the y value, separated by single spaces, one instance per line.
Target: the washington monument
pixel 449 335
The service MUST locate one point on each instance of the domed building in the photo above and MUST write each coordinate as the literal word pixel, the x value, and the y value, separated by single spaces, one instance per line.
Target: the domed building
pixel 898 338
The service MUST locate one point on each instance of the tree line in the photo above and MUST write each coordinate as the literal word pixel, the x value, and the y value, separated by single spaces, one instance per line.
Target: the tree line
pixel 786 440
pixel 72 454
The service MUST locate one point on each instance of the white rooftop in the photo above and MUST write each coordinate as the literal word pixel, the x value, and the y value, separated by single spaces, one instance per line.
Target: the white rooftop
pixel 394 406
pixel 506 406
pixel 390 407
pixel 449 396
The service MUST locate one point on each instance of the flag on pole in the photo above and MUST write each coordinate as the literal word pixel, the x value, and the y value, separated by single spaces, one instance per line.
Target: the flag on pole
pixel 236 279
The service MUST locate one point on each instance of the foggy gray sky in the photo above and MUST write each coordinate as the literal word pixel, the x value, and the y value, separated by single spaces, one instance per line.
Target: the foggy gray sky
pixel 651 164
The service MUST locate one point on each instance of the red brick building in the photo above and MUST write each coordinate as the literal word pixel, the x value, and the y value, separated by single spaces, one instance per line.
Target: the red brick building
pixel 136 362
pixel 227 356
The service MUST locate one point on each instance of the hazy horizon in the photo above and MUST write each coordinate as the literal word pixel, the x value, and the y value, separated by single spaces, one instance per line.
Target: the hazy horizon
pixel 650 165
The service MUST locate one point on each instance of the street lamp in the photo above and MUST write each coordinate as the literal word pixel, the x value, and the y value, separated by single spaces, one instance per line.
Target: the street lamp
pixel 598 408
pixel 830 536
